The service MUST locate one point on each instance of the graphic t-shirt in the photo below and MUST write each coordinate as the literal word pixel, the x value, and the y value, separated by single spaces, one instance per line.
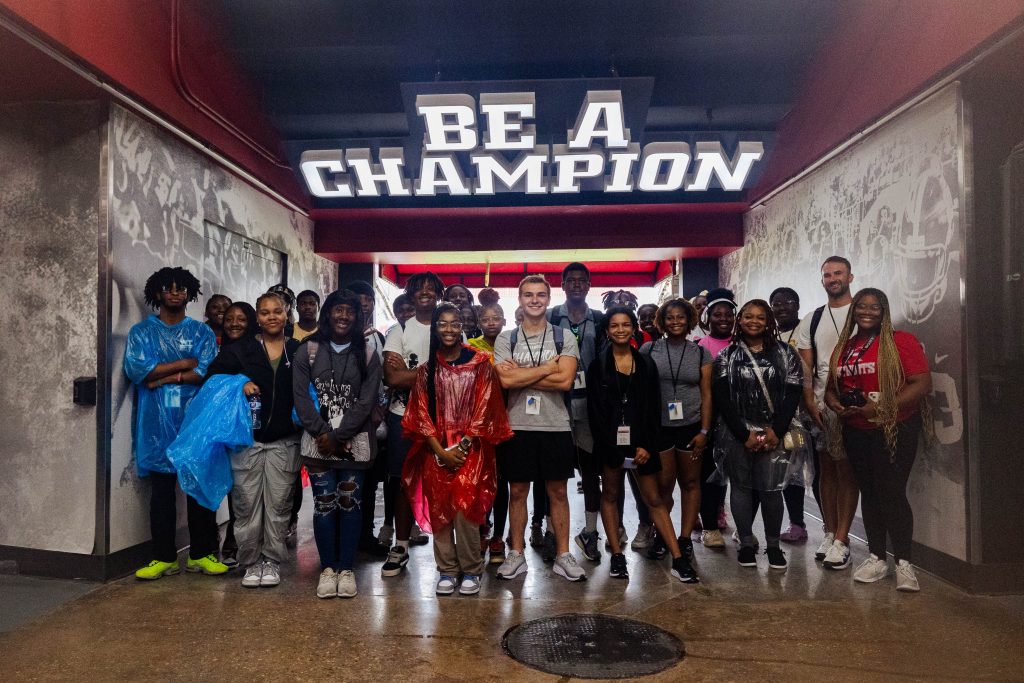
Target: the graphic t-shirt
pixel 825 337
pixel 413 345
pixel 858 368
pixel 679 367
pixel 547 412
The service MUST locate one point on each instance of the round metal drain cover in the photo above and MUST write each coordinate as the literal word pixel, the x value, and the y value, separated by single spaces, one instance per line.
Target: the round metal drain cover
pixel 592 646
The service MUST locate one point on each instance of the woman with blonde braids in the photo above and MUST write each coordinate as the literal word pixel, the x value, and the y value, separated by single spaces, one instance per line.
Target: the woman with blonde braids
pixel 878 380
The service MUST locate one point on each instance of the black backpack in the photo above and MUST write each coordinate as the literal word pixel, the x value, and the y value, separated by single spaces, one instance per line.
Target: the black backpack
pixel 815 321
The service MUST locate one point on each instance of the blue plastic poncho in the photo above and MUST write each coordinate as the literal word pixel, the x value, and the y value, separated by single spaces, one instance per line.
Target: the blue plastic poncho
pixel 159 412
pixel 217 423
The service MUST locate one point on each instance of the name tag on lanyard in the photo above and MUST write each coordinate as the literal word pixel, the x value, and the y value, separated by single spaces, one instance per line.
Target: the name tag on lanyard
pixel 532 404
pixel 622 435
pixel 581 380
pixel 675 410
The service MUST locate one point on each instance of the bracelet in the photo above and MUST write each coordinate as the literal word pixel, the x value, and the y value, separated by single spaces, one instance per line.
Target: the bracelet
pixel 179 377
pixel 704 432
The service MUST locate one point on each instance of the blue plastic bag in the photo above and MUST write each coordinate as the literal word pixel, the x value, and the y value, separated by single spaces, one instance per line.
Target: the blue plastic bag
pixel 160 411
pixel 218 422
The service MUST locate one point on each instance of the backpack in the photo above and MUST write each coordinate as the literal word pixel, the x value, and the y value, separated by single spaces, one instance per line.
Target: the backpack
pixel 815 321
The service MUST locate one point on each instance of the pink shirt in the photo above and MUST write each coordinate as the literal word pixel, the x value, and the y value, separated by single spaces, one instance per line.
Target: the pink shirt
pixel 713 345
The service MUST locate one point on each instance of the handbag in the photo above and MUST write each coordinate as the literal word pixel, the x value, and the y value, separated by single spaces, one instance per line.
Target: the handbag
pixel 794 437
pixel 355 450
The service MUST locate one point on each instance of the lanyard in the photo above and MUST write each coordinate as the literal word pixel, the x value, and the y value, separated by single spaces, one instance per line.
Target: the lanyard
pixel 789 339
pixel 863 350
pixel 284 352
pixel 675 371
pixel 540 354
pixel 833 320
pixel 330 359
pixel 624 393
pixel 579 331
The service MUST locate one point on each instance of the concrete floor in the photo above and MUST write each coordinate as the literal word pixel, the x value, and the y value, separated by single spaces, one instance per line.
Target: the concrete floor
pixel 738 624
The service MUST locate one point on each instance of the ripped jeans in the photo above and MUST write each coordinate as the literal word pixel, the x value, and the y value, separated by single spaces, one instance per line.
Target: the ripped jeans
pixel 337 515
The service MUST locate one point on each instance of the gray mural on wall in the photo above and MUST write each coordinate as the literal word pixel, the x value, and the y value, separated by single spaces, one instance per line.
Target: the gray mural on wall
pixel 170 206
pixel 892 204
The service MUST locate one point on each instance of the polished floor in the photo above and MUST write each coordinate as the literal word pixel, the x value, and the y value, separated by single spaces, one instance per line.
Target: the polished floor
pixel 737 625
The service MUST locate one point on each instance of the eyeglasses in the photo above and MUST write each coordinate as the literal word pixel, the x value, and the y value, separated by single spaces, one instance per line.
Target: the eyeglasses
pixel 874 308
pixel 175 289
pixel 454 327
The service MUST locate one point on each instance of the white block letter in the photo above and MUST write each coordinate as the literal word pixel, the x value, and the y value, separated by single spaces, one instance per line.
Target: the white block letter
pixel 450 121
pixel 710 159
pixel 505 113
pixel 440 171
pixel 675 156
pixel 600 116
pixel 524 174
pixel 316 165
pixel 388 171
pixel 620 175
pixel 571 166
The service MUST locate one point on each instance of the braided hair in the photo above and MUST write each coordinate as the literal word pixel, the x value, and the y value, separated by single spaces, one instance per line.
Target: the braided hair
pixel 435 345
pixel 611 298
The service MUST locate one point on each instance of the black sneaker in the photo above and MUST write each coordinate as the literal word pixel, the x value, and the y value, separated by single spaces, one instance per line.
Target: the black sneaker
pixel 398 557
pixel 747 557
pixel 686 545
pixel 657 549
pixel 549 550
pixel 683 570
pixel 618 569
pixel 776 559
pixel 588 543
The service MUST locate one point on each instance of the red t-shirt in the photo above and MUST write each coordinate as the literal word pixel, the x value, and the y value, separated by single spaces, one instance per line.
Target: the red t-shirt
pixel 856 370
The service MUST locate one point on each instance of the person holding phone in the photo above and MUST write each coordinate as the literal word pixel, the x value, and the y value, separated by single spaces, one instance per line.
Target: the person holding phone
pixel 624 403
pixel 455 417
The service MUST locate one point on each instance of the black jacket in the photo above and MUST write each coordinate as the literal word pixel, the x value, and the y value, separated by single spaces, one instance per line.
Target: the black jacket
pixel 247 357
pixel 603 403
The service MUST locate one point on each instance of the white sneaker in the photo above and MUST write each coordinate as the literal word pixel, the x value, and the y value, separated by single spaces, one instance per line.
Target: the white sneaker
pixel 736 539
pixel 347 584
pixel 643 539
pixel 446 584
pixel 253 574
pixel 386 536
pixel 823 549
pixel 871 570
pixel 837 557
pixel 271 574
pixel 906 579
pixel 327 587
pixel 513 566
pixel 470 584
pixel 568 568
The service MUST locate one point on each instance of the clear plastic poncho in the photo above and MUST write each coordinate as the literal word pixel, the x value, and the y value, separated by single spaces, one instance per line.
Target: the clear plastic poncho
pixel 783 374
pixel 217 423
pixel 159 412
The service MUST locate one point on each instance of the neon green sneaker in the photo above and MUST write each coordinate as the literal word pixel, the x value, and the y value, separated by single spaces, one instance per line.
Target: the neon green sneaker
pixel 155 569
pixel 207 565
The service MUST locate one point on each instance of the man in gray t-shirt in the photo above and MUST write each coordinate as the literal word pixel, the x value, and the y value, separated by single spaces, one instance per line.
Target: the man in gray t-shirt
pixel 537 374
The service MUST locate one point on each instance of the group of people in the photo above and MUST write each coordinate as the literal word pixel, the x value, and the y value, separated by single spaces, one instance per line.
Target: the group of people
pixel 459 419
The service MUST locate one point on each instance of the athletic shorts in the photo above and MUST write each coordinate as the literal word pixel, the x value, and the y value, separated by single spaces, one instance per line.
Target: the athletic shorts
pixel 536 456
pixel 678 437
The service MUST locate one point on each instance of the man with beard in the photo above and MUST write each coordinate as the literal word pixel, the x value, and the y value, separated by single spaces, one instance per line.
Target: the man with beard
pixel 816 339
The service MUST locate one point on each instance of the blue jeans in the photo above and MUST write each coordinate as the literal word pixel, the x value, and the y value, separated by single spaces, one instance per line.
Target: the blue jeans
pixel 337 516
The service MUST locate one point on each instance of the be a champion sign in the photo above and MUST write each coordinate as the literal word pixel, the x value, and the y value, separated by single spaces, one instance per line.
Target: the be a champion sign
pixel 489 144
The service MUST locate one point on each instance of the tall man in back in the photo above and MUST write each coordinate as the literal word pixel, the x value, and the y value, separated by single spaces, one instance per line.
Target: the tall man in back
pixel 816 339
pixel 537 363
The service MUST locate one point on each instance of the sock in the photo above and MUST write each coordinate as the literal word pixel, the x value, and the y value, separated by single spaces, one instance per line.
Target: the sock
pixel 404 545
pixel 591 522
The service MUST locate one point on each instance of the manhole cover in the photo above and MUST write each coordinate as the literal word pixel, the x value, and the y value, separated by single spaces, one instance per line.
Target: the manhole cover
pixel 592 646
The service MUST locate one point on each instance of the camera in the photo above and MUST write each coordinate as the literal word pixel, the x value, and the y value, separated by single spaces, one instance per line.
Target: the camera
pixel 853 398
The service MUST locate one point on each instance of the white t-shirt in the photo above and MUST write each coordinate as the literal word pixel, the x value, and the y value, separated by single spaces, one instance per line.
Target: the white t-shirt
pixel 825 337
pixel 413 345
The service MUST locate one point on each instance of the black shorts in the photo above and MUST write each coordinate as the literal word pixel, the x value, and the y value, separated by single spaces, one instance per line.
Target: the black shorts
pixel 614 458
pixel 678 437
pixel 534 456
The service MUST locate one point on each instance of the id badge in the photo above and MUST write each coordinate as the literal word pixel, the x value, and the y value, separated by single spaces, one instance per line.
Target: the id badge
pixel 335 421
pixel 581 380
pixel 675 410
pixel 622 435
pixel 532 404
pixel 172 397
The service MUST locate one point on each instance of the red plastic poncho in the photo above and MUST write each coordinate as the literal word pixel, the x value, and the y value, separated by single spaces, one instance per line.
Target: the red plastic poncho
pixel 469 403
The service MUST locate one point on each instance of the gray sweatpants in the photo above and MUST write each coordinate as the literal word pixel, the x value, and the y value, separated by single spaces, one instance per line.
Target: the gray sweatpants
pixel 457 548
pixel 262 498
